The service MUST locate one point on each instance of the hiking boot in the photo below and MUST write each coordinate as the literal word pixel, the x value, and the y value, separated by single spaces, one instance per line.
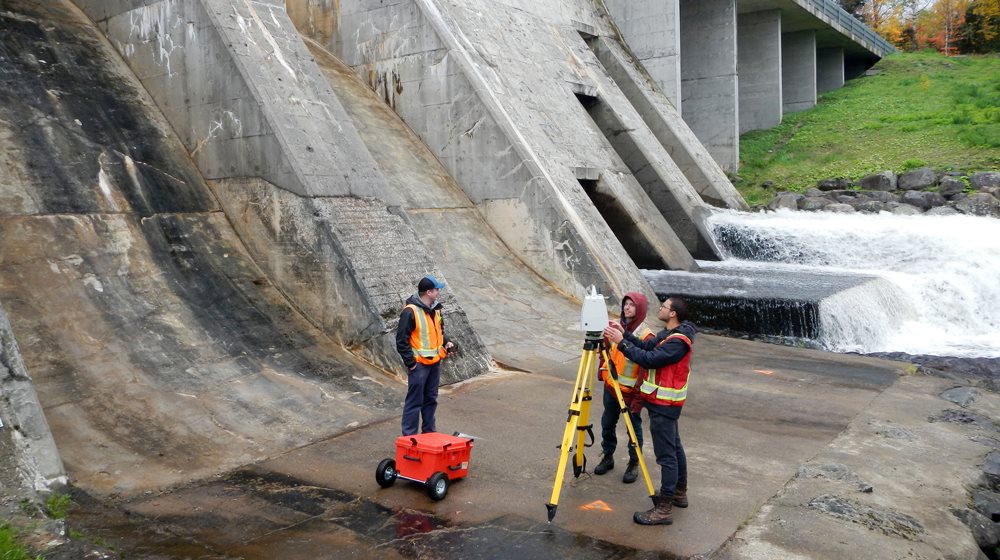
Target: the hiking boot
pixel 681 496
pixel 607 463
pixel 631 471
pixel 659 515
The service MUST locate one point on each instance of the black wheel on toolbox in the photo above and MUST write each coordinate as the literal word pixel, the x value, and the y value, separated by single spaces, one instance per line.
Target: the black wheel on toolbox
pixel 385 473
pixel 437 486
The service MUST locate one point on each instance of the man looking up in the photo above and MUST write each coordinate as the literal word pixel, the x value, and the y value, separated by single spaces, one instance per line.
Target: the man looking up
pixel 667 357
pixel 422 345
pixel 629 376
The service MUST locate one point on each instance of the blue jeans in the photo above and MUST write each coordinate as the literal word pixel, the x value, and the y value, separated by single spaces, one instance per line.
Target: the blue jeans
pixel 421 398
pixel 667 447
pixel 609 421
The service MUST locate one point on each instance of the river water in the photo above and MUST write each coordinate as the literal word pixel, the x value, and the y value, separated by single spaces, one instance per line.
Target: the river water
pixel 941 289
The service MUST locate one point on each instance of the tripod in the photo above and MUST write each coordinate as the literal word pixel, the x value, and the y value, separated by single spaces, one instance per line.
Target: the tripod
pixel 579 415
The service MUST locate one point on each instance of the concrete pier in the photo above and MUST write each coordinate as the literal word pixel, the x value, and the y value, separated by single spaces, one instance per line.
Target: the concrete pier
pixel 798 71
pixel 829 69
pixel 709 94
pixel 759 50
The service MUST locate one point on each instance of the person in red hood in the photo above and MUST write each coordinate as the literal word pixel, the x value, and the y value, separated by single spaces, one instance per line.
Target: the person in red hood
pixel 630 376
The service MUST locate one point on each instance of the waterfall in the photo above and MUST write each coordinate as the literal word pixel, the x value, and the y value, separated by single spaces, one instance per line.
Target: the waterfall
pixel 939 288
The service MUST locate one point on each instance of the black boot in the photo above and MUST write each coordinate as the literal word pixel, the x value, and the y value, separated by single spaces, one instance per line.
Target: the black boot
pixel 631 471
pixel 659 515
pixel 607 463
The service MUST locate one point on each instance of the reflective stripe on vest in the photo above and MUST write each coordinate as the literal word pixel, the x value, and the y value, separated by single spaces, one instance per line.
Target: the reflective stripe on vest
pixel 629 372
pixel 666 395
pixel 427 339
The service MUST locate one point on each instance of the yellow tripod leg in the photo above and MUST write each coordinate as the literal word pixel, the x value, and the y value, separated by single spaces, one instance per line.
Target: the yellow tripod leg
pixel 583 427
pixel 633 440
pixel 572 421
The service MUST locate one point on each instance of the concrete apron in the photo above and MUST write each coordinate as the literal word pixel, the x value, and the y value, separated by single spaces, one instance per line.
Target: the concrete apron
pixel 757 415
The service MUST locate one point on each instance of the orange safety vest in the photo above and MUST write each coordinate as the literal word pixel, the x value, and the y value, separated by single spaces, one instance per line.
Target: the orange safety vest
pixel 427 338
pixel 629 372
pixel 669 385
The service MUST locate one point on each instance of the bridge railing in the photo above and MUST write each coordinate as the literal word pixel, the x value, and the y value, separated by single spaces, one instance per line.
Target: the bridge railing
pixel 832 12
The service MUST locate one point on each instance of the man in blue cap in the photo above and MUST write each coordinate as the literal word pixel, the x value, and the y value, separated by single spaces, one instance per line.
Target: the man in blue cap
pixel 422 345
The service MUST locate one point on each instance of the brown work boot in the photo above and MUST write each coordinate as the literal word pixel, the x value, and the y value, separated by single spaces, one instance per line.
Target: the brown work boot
pixel 681 496
pixel 659 515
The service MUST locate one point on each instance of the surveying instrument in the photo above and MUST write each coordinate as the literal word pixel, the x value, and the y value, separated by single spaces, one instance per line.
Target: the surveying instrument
pixel 593 318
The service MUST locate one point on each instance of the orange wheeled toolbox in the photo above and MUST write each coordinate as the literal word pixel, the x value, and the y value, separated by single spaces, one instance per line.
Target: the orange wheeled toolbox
pixel 433 459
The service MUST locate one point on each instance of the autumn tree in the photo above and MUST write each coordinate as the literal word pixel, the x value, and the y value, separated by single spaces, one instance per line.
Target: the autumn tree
pixel 981 32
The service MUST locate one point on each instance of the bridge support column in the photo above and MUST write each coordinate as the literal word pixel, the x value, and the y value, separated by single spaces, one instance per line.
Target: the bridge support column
pixel 758 37
pixel 798 70
pixel 829 69
pixel 708 76
pixel 651 29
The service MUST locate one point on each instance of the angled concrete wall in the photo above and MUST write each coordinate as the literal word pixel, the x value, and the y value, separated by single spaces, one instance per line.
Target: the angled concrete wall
pixel 509 122
pixel 242 91
pixel 829 69
pixel 798 70
pixel 651 28
pixel 759 49
pixel 708 76
pixel 666 123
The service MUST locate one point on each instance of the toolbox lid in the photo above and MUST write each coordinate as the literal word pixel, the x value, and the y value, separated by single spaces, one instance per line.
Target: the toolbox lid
pixel 433 441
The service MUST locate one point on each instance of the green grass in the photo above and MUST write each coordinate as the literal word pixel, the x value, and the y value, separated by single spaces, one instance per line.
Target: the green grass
pixel 922 110
pixel 58 505
pixel 10 549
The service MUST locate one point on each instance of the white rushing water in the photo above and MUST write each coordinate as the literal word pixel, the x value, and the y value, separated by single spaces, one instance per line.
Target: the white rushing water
pixel 941 288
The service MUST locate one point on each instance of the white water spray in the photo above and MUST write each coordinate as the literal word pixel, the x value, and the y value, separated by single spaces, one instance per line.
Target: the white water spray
pixel 941 288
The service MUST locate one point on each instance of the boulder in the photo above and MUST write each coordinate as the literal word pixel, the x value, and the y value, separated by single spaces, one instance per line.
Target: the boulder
pixel 840 208
pixel 833 184
pixel 981 526
pixel 950 185
pixel 917 179
pixel 987 503
pixel 979 204
pixel 882 196
pixel 958 196
pixel 903 209
pixel 813 191
pixel 941 211
pixel 813 203
pixel 985 179
pixel 785 200
pixel 884 181
pixel 922 199
pixel 871 207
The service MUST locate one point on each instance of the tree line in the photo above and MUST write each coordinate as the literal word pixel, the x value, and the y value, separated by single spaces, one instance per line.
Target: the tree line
pixel 950 26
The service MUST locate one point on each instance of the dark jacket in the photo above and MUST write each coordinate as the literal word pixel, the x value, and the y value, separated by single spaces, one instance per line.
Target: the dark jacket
pixel 406 325
pixel 650 354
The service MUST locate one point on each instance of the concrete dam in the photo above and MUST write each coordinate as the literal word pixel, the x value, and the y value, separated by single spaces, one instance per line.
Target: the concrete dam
pixel 211 212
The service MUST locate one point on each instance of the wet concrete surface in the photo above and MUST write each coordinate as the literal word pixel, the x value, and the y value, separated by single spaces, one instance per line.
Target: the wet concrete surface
pixel 257 514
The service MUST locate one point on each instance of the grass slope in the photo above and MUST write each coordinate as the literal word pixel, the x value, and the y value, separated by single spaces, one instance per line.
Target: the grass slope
pixel 921 109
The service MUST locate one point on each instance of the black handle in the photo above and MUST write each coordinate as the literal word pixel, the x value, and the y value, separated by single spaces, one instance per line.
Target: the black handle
pixel 408 458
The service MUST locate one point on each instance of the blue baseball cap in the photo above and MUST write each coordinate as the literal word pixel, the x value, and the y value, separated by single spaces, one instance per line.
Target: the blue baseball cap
pixel 428 283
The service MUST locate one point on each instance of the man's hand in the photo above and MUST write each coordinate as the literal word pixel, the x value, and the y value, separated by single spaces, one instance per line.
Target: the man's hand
pixel 614 333
pixel 634 402
pixel 449 345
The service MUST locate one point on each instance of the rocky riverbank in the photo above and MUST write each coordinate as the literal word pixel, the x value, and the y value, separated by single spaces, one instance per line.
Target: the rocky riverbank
pixel 920 191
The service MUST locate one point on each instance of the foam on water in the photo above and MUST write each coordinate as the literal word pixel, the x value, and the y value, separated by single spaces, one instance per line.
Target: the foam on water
pixel 941 289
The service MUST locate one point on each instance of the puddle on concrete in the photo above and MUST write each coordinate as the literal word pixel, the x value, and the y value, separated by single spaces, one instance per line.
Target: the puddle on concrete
pixel 255 514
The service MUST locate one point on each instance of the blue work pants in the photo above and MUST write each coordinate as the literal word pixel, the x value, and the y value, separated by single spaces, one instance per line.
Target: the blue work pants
pixel 609 423
pixel 667 447
pixel 421 398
